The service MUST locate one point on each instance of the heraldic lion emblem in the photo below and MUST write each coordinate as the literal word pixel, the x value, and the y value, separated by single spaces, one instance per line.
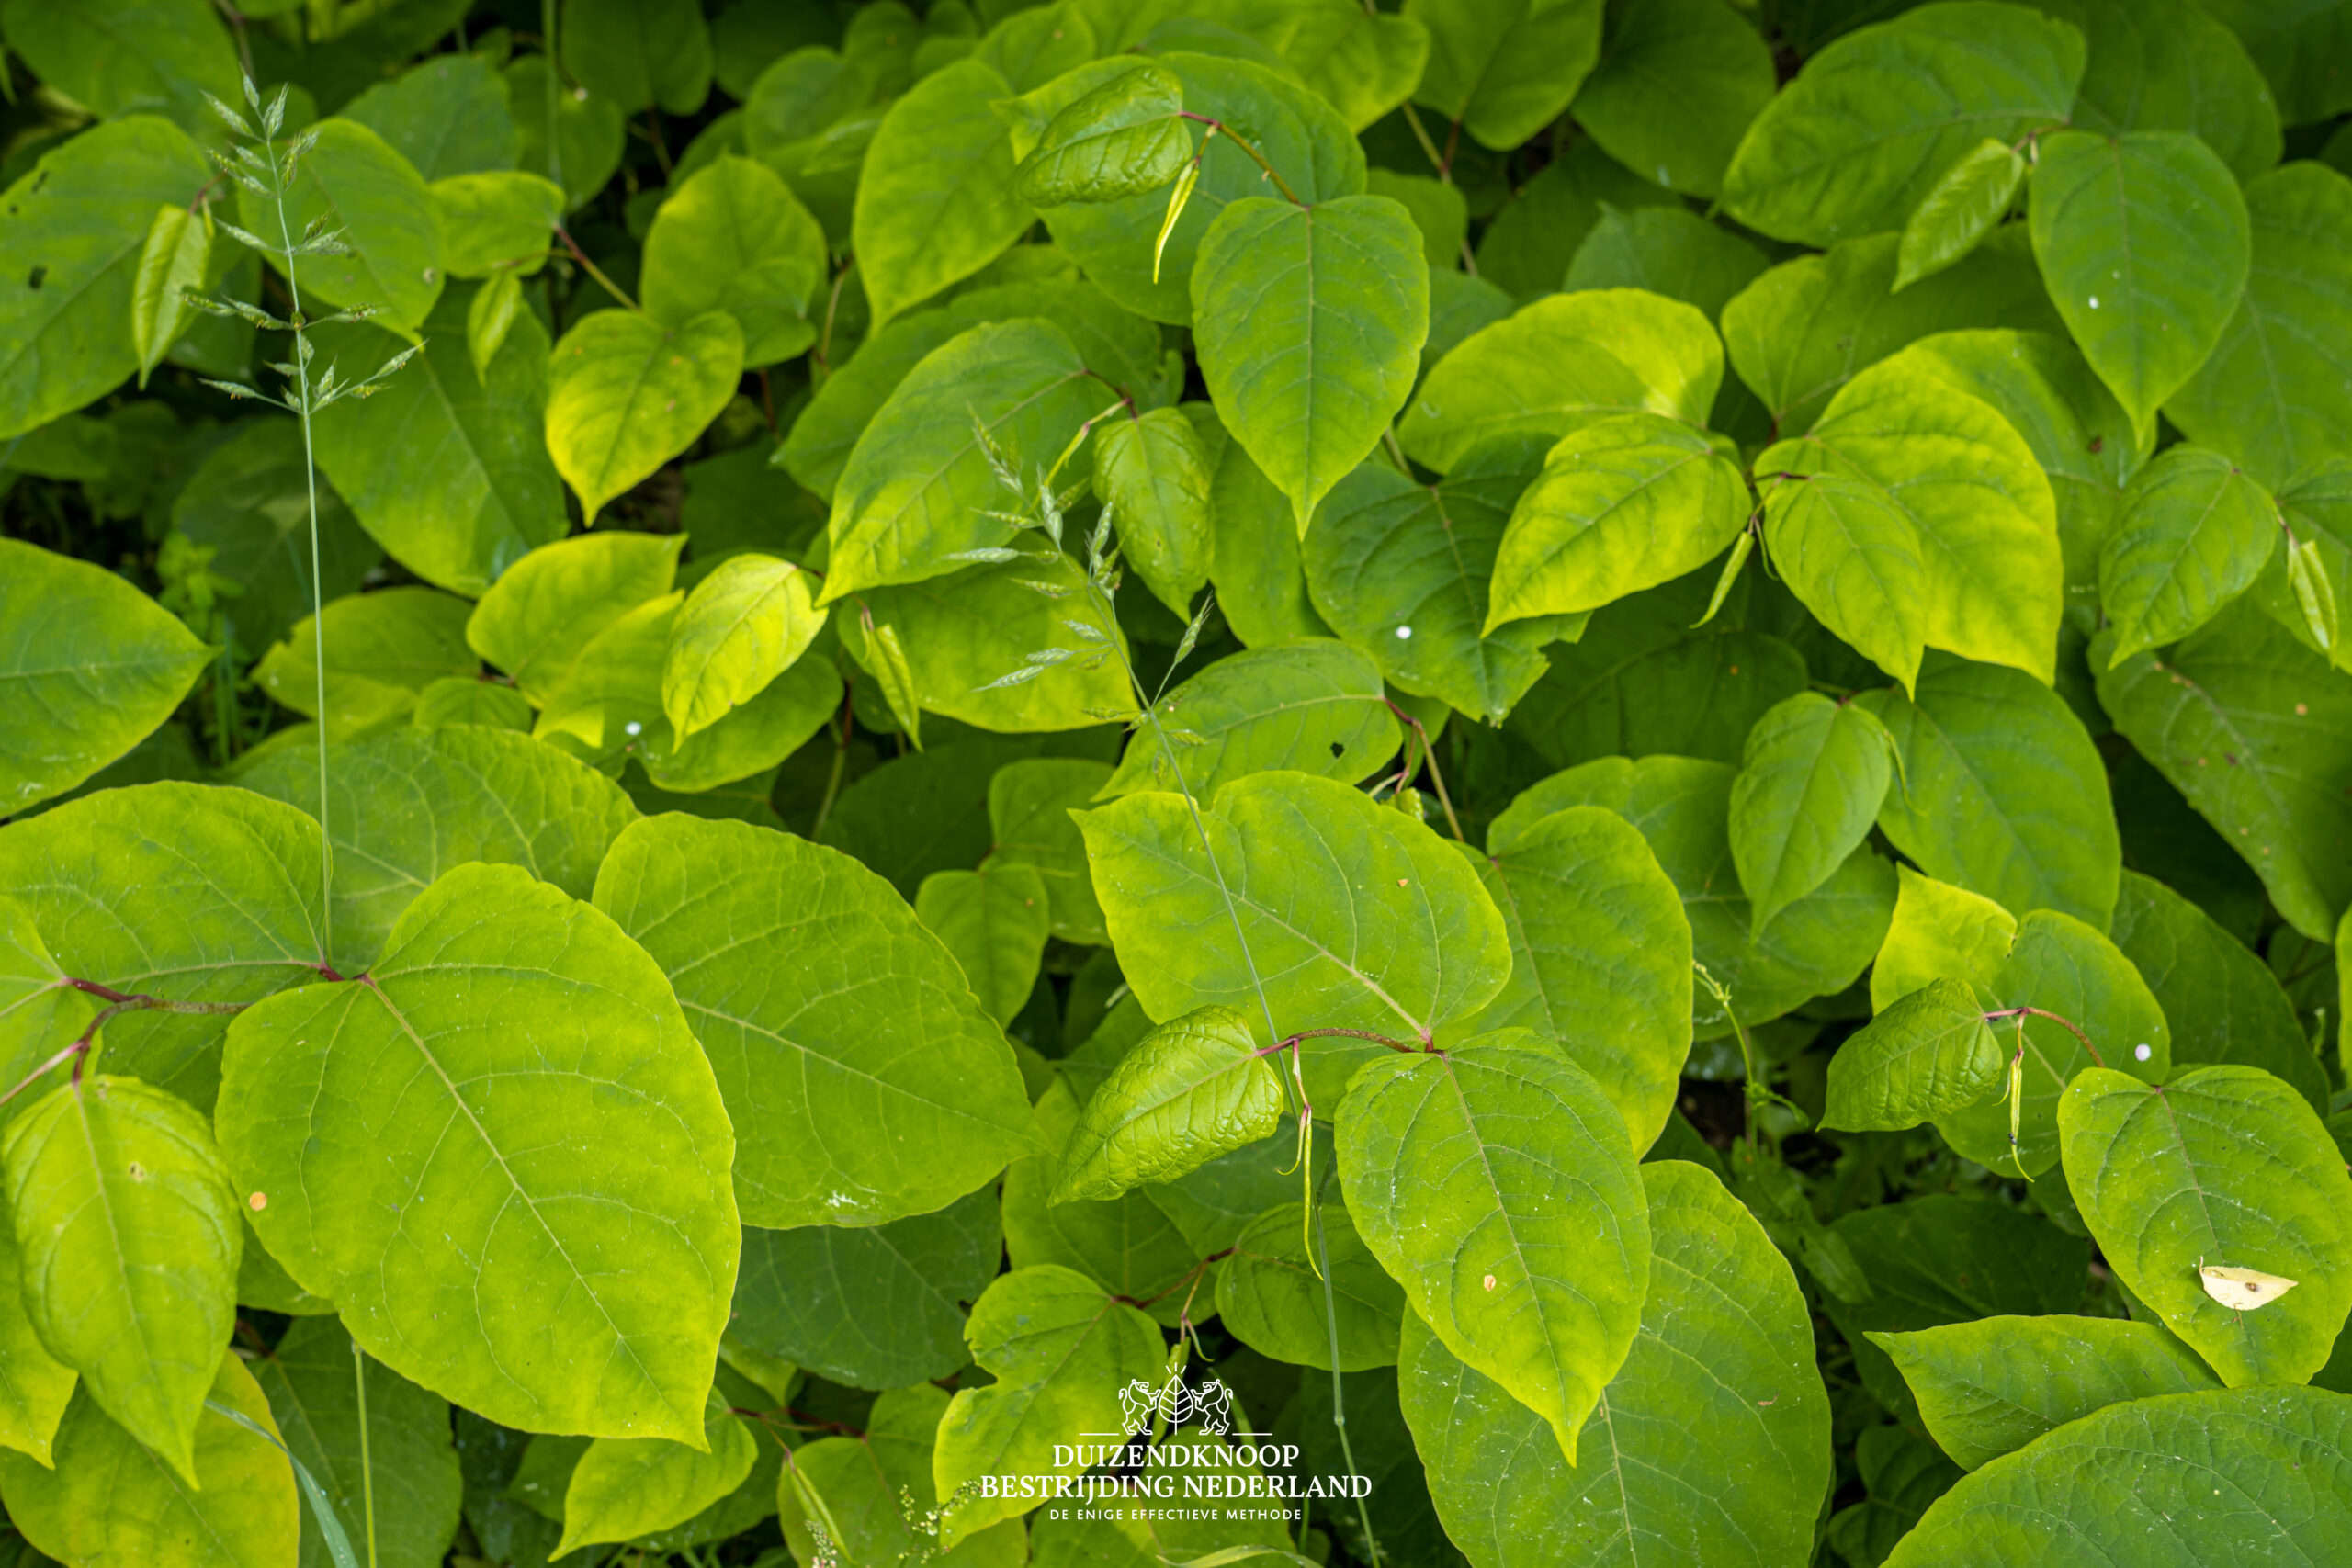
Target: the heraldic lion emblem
pixel 1209 1407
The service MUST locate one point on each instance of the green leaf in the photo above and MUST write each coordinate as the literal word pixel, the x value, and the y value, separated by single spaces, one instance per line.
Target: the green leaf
pixel 2169 66
pixel 867 1080
pixel 1962 207
pixel 1939 931
pixel 355 185
pixel 1901 469
pixel 1126 1244
pixel 625 395
pixel 110 1498
pixel 734 238
pixel 1876 118
pixel 1675 86
pixel 1121 138
pixel 1668 251
pixel 937 203
pixel 2192 533
pixel 1725 1466
pixel 447 114
pixel 2145 1472
pixel 1362 63
pixel 1808 789
pixel 878 1493
pixel 1308 323
pixel 407 806
pixel 1903 1474
pixel 995 921
pixel 312 1379
pixel 2077 432
pixel 626 1487
pixel 588 127
pixel 1270 1292
pixel 127 1239
pixel 1600 958
pixel 1060 1351
pixel 181 891
pixel 1531 243
pixel 742 627
pixel 2225 1165
pixel 1504 1162
pixel 497 222
pixel 1029 808
pixel 1354 916
pixel 117 57
pixel 2102 203
pixel 639 53
pixel 1817 946
pixel 1262 587
pixel 170 266
pixel 1402 570
pixel 79 222
pixel 2001 791
pixel 871 1306
pixel 248 501
pixel 2224 1004
pixel 1929 1056
pixel 1311 706
pixel 1192 1090
pixel 1506 68
pixel 1563 364
pixel 446 467
pixel 1990 1387
pixel 919 484
pixel 34 1389
pixel 537 616
pixel 2292 44
pixel 92 665
pixel 1296 131
pixel 2253 729
pixel 493 979
pixel 1152 472
pixel 1031 47
pixel 2269 395
pixel 381 650
pixel 1623 504
pixel 1439 211
pixel 820 440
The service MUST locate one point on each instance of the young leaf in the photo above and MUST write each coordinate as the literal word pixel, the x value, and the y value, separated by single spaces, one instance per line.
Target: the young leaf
pixel 493 978
pixel 1927 1055
pixel 1126 1244
pixel 1192 1090
pixel 178 244
pixel 625 395
pixel 742 627
pixel 1959 210
pixel 1810 784
pixel 2193 533
pixel 1121 138
pixel 1152 472
pixel 489 318
pixel 1494 1181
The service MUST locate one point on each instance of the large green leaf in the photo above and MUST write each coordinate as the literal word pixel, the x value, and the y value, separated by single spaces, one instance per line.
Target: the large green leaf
pixel 382 649
pixel 734 238
pixel 2224 1004
pixel 1926 1056
pixel 1939 931
pixel 995 922
pixel 403 1459
pixel 1354 916
pixel 1903 469
pixel 2295 44
pixel 1710 1447
pixel 936 202
pixel 2135 1485
pixel 1494 1182
pixel 548 1193
pixel 1308 323
pixel 353 183
pixel 2001 791
pixel 89 666
pixel 1811 324
pixel 1363 63
pixel 445 467
pixel 2224 1166
pixel 1564 363
pixel 587 126
pixel 817 447
pixel 627 1487
pixel 1061 1351
pixel 868 1083
pixel 249 502
pixel 1262 587
pixel 2169 66
pixel 919 483
pixel 877 1492
pixel 1677 84
pixel 1876 117
pixel 874 1306
pixel 741 627
pixel 627 394
pixel 127 1238
pixel 639 53
pixel 1152 472
pixel 1669 251
pixel 1401 569
pixel 2256 730
pixel 1311 706
pixel 78 225
pixel 1601 957
pixel 2192 533
pixel 174 890
pixel 1029 808
pixel 1506 68
pixel 1192 1090
pixel 1809 787
pixel 1270 1292
pixel 34 1388
pixel 447 114
pixel 536 619
pixel 408 804
pixel 2104 210
pixel 108 1499
pixel 2272 394
pixel 1990 1387
pixel 117 57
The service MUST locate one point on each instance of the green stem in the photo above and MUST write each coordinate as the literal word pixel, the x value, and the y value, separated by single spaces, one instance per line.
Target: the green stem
pixel 555 86
pixel 367 1466
pixel 1221 128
